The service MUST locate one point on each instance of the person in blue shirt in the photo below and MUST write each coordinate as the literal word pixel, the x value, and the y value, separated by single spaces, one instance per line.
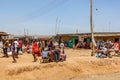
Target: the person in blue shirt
pixel 45 54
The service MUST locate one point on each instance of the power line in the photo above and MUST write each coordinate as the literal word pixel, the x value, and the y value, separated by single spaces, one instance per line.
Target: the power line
pixel 45 9
pixel 41 11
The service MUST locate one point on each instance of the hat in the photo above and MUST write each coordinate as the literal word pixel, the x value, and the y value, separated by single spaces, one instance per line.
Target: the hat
pixel 46 49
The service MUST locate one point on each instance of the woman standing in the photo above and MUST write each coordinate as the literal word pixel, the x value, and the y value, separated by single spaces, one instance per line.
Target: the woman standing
pixel 35 50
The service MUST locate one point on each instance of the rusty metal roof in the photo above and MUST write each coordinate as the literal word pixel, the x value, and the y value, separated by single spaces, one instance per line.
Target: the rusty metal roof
pixel 4 34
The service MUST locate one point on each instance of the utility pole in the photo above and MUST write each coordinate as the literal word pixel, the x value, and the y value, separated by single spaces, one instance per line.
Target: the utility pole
pixel 24 32
pixel 27 32
pixel 109 26
pixel 91 28
pixel 91 16
pixel 56 25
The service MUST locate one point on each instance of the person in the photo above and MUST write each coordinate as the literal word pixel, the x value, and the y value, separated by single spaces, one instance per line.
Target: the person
pixel 28 48
pixel 13 52
pixel 43 45
pixel 35 50
pixel 20 46
pixel 6 45
pixel 1 44
pixel 51 46
pixel 56 43
pixel 62 56
pixel 45 54
pixel 91 45
pixel 62 46
pixel 116 47
pixel 60 39
pixel 52 55
pixel 85 45
pixel 57 52
pixel 104 52
pixel 16 48
pixel 77 45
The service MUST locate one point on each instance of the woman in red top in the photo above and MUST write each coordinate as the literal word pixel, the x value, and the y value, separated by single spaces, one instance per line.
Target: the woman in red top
pixel 35 50
pixel 20 45
pixel 116 47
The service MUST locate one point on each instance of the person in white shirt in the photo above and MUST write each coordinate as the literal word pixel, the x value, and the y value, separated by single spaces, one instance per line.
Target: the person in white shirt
pixel 16 48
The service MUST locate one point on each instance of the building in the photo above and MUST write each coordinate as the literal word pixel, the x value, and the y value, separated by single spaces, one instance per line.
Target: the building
pixel 4 35
pixel 73 39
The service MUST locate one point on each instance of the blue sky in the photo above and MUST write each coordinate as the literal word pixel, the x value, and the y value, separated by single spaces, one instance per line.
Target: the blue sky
pixel 38 17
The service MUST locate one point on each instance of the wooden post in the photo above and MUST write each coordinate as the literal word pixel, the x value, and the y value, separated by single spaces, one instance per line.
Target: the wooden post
pixel 91 28
pixel 91 16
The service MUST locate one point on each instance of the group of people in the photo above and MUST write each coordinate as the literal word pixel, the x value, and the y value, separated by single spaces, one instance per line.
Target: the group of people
pixel 83 44
pixel 104 49
pixel 48 51
pixel 13 48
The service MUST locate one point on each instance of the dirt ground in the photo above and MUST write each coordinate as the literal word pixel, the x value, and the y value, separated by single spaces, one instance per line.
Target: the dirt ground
pixel 112 76
pixel 79 66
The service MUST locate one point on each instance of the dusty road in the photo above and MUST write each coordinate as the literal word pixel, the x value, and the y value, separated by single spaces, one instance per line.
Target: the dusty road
pixel 79 66
pixel 112 76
